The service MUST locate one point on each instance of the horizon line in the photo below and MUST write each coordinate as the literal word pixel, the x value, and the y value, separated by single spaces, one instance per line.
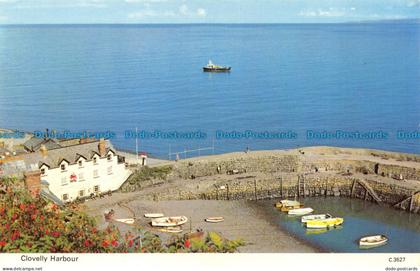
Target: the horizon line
pixel 417 20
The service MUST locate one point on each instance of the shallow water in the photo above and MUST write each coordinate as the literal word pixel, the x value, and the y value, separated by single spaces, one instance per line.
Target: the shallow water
pixel 360 219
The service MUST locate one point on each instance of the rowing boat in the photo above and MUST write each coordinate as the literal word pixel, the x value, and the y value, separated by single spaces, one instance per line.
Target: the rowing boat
pixel 306 218
pixel 125 220
pixel 288 208
pixel 324 223
pixel 216 219
pixel 176 229
pixel 153 215
pixel 286 203
pixel 300 211
pixel 169 221
pixel 373 241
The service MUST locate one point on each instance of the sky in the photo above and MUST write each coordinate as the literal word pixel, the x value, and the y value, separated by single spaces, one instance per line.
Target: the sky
pixel 203 11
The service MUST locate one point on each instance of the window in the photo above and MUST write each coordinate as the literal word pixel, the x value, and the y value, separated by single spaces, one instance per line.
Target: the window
pixel 65 197
pixel 95 173
pixel 64 181
pixel 81 193
pixel 81 176
pixel 42 171
pixel 109 157
pixel 63 167
pixel 96 188
pixel 95 160
pixel 109 170
pixel 80 163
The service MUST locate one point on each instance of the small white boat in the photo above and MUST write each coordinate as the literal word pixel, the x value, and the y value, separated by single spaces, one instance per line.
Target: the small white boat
pixel 125 220
pixel 169 221
pixel 215 219
pixel 373 241
pixel 306 218
pixel 176 229
pixel 300 211
pixel 154 215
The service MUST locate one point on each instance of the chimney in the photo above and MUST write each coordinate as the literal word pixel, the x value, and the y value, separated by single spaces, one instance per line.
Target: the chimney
pixel 43 150
pixel 102 147
pixel 33 182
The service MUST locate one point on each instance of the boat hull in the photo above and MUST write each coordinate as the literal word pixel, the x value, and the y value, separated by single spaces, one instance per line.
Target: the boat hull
pixel 307 218
pixel 224 69
pixel 372 241
pixel 214 219
pixel 128 221
pixel 288 208
pixel 176 229
pixel 324 223
pixel 300 211
pixel 169 221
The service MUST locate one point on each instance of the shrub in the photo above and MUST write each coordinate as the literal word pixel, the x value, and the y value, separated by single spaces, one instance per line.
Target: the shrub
pixel 29 224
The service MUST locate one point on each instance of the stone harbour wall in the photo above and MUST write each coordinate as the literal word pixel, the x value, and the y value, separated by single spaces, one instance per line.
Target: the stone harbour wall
pixel 276 175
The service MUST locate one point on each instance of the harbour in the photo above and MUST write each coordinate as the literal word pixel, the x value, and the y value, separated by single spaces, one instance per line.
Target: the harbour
pixel 361 218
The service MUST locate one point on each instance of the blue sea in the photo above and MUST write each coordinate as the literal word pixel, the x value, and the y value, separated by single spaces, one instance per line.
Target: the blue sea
pixel 286 79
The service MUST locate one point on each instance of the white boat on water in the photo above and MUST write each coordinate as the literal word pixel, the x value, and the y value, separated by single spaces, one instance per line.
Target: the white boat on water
pixel 125 220
pixel 373 241
pixel 154 215
pixel 300 211
pixel 215 219
pixel 306 218
pixel 169 221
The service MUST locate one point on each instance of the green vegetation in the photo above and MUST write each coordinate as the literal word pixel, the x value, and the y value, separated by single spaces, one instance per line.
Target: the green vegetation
pixel 213 242
pixel 32 224
pixel 148 173
pixel 145 177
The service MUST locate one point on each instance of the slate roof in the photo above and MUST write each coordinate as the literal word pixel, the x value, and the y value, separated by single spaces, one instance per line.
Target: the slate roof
pixel 71 154
pixel 34 144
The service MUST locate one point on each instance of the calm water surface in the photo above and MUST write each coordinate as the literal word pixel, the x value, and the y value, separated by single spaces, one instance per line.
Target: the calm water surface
pixel 360 219
pixel 357 77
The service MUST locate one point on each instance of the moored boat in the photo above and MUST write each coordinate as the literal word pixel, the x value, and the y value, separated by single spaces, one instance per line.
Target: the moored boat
pixel 215 219
pixel 169 221
pixel 125 220
pixel 153 215
pixel 286 202
pixel 324 223
pixel 373 241
pixel 300 211
pixel 210 67
pixel 306 218
pixel 176 229
pixel 288 208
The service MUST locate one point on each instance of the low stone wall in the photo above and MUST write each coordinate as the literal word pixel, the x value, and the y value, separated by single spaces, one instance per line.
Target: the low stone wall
pixel 277 174
pixel 205 167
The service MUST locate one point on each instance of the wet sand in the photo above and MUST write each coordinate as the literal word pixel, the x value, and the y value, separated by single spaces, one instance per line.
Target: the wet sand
pixel 243 220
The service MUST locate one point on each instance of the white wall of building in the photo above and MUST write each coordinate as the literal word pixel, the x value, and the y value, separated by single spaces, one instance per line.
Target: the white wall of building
pixel 106 174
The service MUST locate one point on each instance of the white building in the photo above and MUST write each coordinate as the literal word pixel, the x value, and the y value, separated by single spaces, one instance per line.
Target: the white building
pixel 76 171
